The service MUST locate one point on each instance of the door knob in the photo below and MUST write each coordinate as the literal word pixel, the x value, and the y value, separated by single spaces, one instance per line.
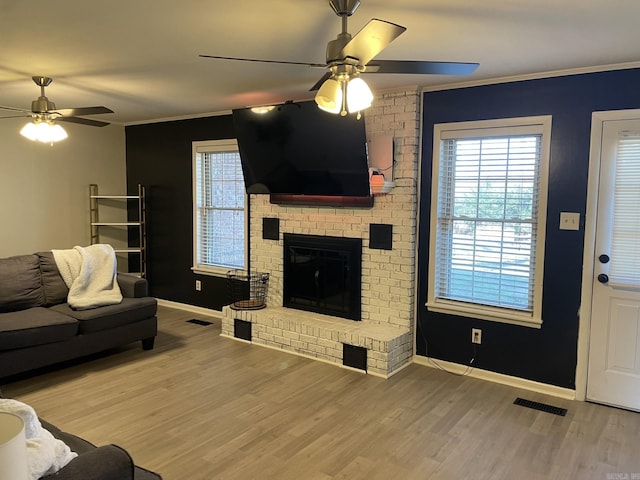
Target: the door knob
pixel 603 278
pixel 604 258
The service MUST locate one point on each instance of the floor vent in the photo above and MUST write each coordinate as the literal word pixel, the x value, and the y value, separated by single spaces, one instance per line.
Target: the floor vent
pixel 543 407
pixel 204 323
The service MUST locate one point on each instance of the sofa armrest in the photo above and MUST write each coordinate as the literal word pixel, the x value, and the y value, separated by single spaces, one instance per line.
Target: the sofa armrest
pixel 132 286
pixel 108 462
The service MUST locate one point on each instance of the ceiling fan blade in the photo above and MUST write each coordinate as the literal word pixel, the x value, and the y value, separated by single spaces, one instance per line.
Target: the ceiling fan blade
pixel 421 67
pixel 319 83
pixel 24 115
pixel 73 112
pixel 371 40
pixel 16 109
pixel 284 62
pixel 83 121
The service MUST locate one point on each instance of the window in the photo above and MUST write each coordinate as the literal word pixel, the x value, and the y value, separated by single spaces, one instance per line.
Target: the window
pixel 219 213
pixel 625 219
pixel 488 212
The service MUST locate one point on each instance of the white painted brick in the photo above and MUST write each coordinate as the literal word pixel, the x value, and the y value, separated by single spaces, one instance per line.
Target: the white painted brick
pixel 317 349
pixel 282 340
pixel 300 346
pixel 267 338
pixel 326 343
pixel 385 274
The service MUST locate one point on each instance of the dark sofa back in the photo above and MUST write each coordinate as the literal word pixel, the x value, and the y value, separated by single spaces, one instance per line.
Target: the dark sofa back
pixel 55 290
pixel 20 283
pixel 28 281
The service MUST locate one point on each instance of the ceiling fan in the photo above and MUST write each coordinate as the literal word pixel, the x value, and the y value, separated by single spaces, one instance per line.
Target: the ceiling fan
pixel 349 56
pixel 44 114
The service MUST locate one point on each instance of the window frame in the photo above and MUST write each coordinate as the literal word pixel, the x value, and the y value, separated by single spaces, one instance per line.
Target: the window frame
pixel 535 125
pixel 207 146
pixel 624 274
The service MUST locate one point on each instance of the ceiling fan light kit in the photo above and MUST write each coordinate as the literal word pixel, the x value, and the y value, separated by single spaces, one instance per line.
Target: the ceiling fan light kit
pixel 43 126
pixel 344 91
pixel 329 97
pixel 43 131
pixel 359 95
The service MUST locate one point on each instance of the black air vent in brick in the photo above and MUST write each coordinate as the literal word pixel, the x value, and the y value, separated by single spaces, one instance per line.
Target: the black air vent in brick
pixel 381 236
pixel 354 357
pixel 543 407
pixel 270 228
pixel 242 329
pixel 204 323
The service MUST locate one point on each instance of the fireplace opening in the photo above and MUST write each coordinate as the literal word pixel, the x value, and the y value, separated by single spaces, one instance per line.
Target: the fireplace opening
pixel 323 274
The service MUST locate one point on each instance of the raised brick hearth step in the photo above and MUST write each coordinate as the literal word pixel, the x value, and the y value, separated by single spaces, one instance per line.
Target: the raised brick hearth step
pixel 323 337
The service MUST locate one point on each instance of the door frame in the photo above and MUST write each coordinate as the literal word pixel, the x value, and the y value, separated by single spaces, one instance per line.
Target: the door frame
pixel 588 259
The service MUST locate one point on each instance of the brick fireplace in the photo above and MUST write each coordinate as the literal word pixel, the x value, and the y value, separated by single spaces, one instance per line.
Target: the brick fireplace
pixel 385 332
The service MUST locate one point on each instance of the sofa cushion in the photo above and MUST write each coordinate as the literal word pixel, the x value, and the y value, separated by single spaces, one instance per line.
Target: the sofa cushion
pixel 108 462
pixel 55 290
pixel 20 283
pixel 130 310
pixel 35 326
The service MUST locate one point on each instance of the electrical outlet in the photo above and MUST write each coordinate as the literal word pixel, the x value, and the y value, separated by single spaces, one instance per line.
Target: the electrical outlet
pixel 476 336
pixel 198 285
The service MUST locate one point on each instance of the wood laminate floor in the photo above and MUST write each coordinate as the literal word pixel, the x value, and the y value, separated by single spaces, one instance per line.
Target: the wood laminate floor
pixel 200 406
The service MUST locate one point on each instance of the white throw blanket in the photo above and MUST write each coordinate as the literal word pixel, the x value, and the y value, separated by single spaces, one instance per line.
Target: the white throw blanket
pixel 90 274
pixel 45 453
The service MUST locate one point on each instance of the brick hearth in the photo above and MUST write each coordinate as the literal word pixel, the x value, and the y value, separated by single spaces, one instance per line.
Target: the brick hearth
pixel 322 337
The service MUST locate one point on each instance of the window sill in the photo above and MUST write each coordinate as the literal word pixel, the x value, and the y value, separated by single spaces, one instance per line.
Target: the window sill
pixel 212 271
pixel 485 313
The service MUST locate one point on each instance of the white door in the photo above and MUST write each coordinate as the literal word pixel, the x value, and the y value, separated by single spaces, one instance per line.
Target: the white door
pixel 614 347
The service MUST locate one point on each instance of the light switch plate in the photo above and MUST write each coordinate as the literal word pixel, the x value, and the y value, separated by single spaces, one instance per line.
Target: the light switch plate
pixel 569 221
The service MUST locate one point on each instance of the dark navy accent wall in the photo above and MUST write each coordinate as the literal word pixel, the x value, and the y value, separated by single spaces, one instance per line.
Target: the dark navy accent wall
pixel 159 157
pixel 549 354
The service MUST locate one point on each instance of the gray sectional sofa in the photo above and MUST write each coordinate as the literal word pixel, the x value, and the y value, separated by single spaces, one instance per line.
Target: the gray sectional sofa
pixel 38 328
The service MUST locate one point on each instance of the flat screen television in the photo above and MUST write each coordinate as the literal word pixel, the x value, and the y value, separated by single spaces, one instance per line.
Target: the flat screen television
pixel 297 149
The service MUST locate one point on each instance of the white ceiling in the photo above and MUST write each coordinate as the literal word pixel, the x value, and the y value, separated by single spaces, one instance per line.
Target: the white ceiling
pixel 140 57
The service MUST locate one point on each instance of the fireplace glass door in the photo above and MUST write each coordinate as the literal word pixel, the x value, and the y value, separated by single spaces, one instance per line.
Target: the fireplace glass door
pixel 323 274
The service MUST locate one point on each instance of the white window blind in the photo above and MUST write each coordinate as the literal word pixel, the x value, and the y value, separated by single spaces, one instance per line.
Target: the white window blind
pixel 219 207
pixel 625 235
pixel 486 225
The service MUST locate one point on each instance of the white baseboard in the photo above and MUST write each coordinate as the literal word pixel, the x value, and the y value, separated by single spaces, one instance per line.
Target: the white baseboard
pixel 190 308
pixel 241 340
pixel 400 368
pixel 516 382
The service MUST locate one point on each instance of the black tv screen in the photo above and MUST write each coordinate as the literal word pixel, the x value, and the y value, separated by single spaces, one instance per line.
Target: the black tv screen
pixel 298 149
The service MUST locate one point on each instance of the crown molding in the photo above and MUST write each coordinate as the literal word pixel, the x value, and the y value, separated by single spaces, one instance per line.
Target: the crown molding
pixel 533 76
